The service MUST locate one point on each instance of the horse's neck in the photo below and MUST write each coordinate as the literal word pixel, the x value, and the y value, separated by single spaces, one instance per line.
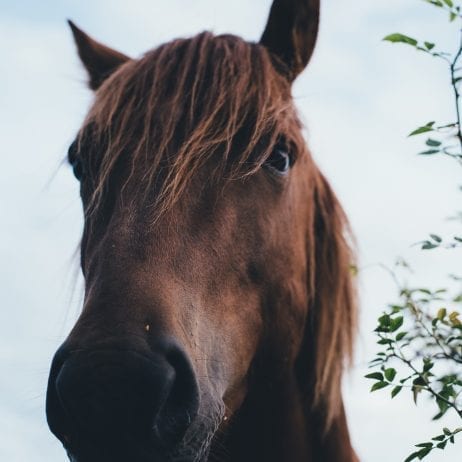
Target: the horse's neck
pixel 273 426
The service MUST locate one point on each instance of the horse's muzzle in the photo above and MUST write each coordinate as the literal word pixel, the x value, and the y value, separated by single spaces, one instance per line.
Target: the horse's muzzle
pixel 120 404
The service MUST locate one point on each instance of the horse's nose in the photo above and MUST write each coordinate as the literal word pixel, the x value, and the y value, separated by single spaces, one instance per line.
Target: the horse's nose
pixel 115 396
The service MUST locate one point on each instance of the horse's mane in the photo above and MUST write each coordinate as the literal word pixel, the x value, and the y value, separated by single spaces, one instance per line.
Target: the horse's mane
pixel 218 100
pixel 332 325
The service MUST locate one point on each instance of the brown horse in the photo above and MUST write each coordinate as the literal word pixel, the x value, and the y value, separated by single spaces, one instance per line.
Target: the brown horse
pixel 219 308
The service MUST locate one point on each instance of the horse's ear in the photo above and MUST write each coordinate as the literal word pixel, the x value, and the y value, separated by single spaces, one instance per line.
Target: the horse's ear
pixel 291 32
pixel 99 60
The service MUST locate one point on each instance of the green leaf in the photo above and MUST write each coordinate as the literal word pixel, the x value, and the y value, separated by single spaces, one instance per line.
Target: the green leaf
pixel 442 312
pixel 441 445
pixel 425 451
pixel 390 374
pixel 375 376
pixel 385 320
pixel 396 323
pixel 438 416
pixel 430 152
pixel 400 336
pixel 427 245
pixel 428 364
pixel 438 3
pixel 413 456
pixel 396 308
pixel 438 438
pixel 436 238
pixel 443 406
pixel 433 143
pixel 415 393
pixel 379 386
pixel 450 3
pixel 453 317
pixel 424 445
pixel 395 391
pixel 452 16
pixel 401 38
pixel 424 291
pixel 425 128
pixel 446 431
pixel 406 379
pixel 429 45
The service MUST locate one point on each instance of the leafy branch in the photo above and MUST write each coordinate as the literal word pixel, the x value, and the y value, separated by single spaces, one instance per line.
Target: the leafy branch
pixel 421 351
pixel 420 335
pixel 452 130
pixel 437 442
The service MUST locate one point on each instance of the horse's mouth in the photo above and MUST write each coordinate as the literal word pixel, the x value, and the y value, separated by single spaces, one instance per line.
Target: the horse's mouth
pixel 193 448
pixel 137 454
pixel 151 458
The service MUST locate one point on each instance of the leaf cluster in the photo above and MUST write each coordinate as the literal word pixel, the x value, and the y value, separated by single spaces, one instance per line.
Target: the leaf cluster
pixel 421 351
pixel 437 442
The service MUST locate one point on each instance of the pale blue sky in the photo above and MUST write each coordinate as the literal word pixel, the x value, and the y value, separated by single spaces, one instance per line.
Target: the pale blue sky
pixel 359 99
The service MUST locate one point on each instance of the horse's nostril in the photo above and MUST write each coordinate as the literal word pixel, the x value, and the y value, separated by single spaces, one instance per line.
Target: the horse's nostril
pixel 106 394
pixel 182 403
pixel 118 396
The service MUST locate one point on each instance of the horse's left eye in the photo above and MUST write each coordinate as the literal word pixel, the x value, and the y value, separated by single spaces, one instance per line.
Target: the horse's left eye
pixel 279 161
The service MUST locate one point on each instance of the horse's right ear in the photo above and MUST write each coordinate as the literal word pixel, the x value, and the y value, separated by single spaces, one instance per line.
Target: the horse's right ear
pixel 99 60
pixel 291 33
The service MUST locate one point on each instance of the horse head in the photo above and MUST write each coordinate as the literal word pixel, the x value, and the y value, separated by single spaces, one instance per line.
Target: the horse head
pixel 218 308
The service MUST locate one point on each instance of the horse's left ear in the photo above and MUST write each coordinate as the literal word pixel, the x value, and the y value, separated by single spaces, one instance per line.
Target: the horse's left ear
pixel 291 32
pixel 99 60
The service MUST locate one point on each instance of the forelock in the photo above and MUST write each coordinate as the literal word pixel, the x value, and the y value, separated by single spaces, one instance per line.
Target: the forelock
pixel 214 100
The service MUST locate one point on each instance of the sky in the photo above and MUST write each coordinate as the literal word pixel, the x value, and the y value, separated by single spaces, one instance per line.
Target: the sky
pixel 359 99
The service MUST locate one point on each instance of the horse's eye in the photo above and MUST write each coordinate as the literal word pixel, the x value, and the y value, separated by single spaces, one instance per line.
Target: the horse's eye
pixel 77 169
pixel 279 161
pixel 74 161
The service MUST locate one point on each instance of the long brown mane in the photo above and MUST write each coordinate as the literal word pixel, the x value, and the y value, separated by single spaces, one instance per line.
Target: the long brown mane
pixel 333 311
pixel 218 100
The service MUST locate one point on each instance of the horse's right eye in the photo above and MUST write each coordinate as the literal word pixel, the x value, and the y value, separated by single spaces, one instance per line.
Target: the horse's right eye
pixel 77 169
pixel 74 160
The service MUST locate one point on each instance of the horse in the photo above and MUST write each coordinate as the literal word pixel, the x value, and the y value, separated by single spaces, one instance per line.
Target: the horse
pixel 219 310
